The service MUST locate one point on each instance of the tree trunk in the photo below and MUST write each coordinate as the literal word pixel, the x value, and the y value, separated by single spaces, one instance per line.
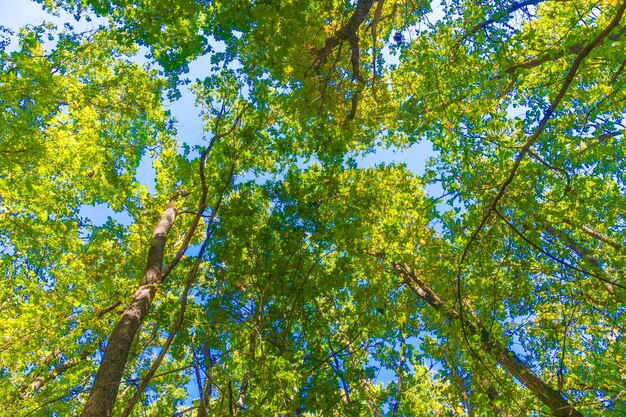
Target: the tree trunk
pixel 506 358
pixel 106 384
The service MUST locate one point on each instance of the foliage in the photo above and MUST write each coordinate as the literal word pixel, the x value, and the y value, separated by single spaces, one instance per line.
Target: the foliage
pixel 296 280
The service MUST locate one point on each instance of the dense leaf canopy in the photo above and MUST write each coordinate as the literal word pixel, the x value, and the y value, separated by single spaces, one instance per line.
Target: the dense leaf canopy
pixel 268 271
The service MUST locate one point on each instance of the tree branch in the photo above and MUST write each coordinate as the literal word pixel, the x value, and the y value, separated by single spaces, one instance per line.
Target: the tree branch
pixel 526 147
pixel 507 359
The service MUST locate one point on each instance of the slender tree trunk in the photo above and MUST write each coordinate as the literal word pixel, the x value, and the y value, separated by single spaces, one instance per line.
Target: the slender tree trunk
pixel 460 382
pixel 106 384
pixel 505 357
pixel 365 381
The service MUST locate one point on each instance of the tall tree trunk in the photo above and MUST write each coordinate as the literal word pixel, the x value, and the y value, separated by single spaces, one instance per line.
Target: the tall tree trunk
pixel 106 384
pixel 505 357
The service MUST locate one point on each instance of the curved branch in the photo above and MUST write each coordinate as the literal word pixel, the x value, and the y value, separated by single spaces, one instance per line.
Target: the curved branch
pixel 203 197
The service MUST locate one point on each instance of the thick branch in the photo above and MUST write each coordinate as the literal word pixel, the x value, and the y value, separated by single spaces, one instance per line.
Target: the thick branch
pixel 377 12
pixel 495 401
pixel 347 32
pixel 505 357
pixel 38 380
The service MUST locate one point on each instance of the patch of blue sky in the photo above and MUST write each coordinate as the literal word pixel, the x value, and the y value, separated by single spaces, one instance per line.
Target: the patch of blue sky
pixel 99 214
pixel 414 157
pixel 19 13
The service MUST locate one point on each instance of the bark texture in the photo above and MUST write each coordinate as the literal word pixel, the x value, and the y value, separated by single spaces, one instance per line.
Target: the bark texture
pixel 106 384
pixel 505 357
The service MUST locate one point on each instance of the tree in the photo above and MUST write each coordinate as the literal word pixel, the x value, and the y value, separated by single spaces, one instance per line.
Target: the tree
pixel 269 272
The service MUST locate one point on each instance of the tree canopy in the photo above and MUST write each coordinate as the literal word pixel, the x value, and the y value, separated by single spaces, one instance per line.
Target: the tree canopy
pixel 268 271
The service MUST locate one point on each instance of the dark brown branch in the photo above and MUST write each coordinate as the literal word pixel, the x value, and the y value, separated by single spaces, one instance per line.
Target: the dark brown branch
pixel 560 170
pixel 494 399
pixel 365 381
pixel 230 398
pixel 78 391
pixel 345 396
pixel 37 380
pixel 346 33
pixel 204 400
pixel 619 71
